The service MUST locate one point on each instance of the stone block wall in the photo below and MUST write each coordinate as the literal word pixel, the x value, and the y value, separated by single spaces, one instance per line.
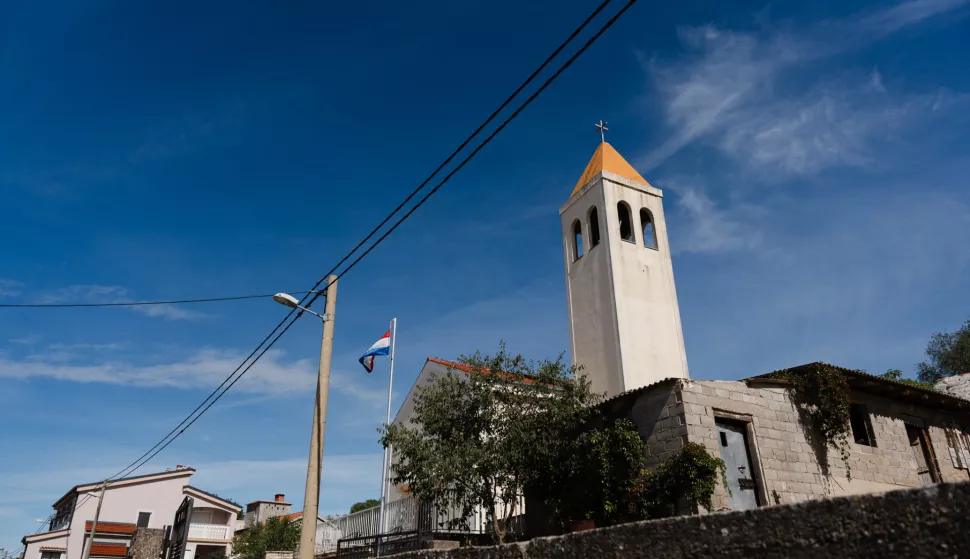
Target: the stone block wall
pixel 785 460
pixel 658 413
pixel 929 523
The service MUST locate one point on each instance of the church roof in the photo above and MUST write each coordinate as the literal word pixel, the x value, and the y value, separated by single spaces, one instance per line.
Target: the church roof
pixel 606 158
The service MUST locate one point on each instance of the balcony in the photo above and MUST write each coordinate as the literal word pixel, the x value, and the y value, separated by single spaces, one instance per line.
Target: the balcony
pixel 218 532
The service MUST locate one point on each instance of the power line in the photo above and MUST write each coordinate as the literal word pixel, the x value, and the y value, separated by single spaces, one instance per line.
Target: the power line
pixel 307 300
pixel 384 221
pixel 316 292
pixel 134 303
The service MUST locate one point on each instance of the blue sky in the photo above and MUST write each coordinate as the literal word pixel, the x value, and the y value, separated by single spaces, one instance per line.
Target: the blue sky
pixel 812 159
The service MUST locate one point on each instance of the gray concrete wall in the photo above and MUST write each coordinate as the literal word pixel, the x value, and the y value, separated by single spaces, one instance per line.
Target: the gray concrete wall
pixel 917 524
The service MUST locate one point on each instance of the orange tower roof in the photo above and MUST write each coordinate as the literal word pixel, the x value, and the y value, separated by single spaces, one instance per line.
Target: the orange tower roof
pixel 605 158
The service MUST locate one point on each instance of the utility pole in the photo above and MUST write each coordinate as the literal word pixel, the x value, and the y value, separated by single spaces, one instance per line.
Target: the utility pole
pixel 311 498
pixel 94 524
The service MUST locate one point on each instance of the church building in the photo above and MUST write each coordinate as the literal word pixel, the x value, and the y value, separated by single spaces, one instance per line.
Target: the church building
pixel 625 331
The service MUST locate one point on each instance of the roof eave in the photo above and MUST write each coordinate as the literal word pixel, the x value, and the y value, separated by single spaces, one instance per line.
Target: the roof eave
pixel 866 381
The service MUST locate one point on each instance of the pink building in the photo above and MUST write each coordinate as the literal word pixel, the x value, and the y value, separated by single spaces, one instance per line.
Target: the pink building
pixel 147 501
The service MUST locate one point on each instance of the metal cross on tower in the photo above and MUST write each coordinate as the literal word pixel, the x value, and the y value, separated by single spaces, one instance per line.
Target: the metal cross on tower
pixel 603 129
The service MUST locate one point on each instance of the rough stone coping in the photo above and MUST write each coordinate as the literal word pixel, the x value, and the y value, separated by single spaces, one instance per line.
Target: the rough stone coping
pixel 932 522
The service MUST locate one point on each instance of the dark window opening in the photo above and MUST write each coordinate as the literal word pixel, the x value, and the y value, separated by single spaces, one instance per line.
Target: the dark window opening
pixel 626 222
pixel 649 232
pixel 594 228
pixel 723 439
pixel 861 425
pixel 143 518
pixel 919 443
pixel 577 240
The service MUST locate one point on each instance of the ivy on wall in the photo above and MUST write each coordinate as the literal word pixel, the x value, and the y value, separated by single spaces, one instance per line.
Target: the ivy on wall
pixel 604 480
pixel 822 393
pixel 687 478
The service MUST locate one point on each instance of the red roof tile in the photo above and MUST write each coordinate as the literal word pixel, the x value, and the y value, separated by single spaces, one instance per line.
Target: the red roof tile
pixel 109 549
pixel 467 369
pixel 294 516
pixel 112 527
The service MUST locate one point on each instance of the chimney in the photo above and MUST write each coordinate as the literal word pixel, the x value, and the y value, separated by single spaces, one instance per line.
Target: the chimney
pixel 279 498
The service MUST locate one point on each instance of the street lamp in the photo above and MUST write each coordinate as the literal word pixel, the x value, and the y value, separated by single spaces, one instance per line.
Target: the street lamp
pixel 311 498
pixel 288 300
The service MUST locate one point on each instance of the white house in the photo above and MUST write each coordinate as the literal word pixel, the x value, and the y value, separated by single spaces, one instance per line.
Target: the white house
pixel 146 501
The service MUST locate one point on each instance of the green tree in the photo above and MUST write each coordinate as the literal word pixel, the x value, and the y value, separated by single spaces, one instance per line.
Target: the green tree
pixel 897 375
pixel 687 478
pixel 949 354
pixel 364 505
pixel 276 534
pixel 595 477
pixel 481 437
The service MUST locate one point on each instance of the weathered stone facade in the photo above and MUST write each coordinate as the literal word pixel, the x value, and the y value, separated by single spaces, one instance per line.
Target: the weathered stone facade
pixel 786 467
pixel 958 385
pixel 146 543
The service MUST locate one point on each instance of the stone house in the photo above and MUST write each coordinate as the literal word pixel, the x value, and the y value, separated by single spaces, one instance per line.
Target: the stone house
pixel 902 436
pixel 261 511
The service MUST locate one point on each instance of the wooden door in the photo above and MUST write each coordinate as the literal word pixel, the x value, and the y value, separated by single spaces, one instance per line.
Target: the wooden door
pixel 919 445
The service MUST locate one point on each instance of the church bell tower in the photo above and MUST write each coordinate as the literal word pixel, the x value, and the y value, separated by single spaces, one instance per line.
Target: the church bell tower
pixel 624 321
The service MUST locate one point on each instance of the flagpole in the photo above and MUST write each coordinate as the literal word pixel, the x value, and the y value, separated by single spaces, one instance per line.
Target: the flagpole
pixel 387 451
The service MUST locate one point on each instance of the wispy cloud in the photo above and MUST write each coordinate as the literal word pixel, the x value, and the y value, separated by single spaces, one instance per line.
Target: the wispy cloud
pixel 726 93
pixel 116 294
pixel 29 339
pixel 831 288
pixel 346 479
pixel 273 374
pixel 10 288
pixel 702 226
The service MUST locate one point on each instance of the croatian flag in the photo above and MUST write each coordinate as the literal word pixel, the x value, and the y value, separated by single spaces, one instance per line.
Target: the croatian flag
pixel 381 347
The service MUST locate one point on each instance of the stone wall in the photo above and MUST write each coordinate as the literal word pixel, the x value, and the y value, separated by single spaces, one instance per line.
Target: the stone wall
pixel 926 523
pixel 958 385
pixel 658 413
pixel 146 543
pixel 790 469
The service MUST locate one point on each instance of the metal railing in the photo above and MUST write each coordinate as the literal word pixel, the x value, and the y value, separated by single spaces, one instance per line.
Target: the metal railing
pixel 367 546
pixel 407 522
pixel 407 515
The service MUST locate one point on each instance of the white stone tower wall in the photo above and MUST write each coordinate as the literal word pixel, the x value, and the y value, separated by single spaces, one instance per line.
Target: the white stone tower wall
pixel 594 339
pixel 624 318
